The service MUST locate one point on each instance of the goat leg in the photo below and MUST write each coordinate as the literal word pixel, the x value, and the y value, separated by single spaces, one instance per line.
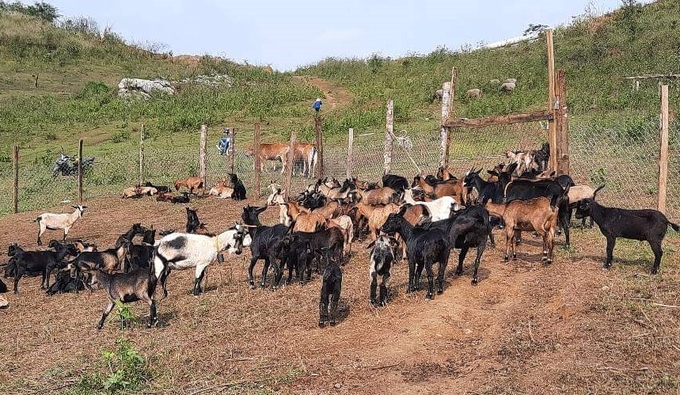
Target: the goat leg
pixel 658 252
pixel 374 288
pixel 253 261
pixel 611 241
pixel 153 314
pixel 383 290
pixel 197 282
pixel 335 298
pixel 430 281
pixel 461 258
pixel 105 314
pixel 480 250
pixel 323 307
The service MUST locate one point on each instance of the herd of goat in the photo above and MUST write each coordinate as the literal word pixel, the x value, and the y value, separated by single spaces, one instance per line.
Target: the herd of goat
pixel 423 221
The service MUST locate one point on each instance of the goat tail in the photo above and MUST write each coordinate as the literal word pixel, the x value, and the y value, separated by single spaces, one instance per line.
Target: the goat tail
pixel 598 188
pixel 675 227
pixel 160 272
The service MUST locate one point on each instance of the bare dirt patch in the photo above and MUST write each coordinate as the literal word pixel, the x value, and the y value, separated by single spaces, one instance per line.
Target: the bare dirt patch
pixel 526 328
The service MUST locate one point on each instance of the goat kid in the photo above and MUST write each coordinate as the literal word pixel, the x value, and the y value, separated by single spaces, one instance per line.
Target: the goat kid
pixel 381 260
pixel 330 292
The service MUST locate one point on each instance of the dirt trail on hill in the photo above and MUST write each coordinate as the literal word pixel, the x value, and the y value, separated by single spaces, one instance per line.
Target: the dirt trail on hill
pixel 336 96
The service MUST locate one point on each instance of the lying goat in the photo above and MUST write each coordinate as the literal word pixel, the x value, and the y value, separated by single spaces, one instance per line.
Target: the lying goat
pixel 649 225
pixel 53 221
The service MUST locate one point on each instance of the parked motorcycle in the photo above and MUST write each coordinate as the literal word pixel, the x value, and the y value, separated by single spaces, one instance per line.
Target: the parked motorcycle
pixel 68 165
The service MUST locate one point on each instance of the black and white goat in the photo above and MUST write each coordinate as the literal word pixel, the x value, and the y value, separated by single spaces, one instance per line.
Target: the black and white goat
pixel 53 221
pixel 650 225
pixel 181 251
pixel 381 260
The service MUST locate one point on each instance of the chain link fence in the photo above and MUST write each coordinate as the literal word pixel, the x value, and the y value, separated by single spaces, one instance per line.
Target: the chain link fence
pixel 622 157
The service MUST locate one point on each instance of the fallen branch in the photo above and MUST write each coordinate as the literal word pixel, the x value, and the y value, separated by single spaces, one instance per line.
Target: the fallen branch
pixel 666 305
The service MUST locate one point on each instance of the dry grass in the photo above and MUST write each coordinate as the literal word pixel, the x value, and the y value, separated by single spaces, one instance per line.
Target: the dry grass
pixel 525 329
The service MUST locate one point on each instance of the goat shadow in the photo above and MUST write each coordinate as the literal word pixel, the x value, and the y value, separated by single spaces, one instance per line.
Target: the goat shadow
pixel 163 319
pixel 482 273
pixel 640 262
pixel 343 310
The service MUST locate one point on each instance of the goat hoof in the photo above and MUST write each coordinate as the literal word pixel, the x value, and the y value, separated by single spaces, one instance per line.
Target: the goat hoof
pixel 440 291
pixel 321 324
pixel 332 323
pixel 475 281
pixel 459 272
pixel 505 259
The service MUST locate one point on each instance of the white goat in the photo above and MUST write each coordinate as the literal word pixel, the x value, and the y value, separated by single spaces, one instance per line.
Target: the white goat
pixel 186 250
pixel 53 221
pixel 439 208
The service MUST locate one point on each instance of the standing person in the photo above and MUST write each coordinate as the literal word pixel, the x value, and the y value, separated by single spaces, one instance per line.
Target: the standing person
pixel 223 145
pixel 317 105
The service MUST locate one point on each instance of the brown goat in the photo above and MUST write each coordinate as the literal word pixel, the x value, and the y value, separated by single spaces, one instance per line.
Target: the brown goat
pixel 378 196
pixel 305 221
pixel 332 209
pixel 527 215
pixel 344 223
pixel 193 184
pixel 376 216
pixel 452 187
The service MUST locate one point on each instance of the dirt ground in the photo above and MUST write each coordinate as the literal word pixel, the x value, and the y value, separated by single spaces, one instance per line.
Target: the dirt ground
pixel 527 328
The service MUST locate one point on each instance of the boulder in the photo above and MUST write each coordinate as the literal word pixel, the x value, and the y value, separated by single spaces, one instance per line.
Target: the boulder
pixel 141 88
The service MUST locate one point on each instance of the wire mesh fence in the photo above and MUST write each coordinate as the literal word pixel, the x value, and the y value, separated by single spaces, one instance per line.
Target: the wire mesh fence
pixel 624 158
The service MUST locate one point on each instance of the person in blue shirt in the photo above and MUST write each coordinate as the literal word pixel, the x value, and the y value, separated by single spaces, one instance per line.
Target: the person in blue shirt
pixel 317 105
pixel 223 145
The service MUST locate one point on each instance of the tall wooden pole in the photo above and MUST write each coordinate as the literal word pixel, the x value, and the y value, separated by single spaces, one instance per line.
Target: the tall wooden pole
pixel 663 152
pixel 447 106
pixel 562 124
pixel 256 155
pixel 141 155
pixel 350 145
pixel 15 194
pixel 232 150
pixel 201 153
pixel 389 131
pixel 290 162
pixel 552 131
pixel 80 171
pixel 319 147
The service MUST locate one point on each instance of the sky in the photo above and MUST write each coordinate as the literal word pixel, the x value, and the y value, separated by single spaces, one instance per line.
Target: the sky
pixel 290 34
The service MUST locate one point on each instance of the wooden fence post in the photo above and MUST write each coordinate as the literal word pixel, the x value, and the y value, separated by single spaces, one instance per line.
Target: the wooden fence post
pixel 201 153
pixel 447 105
pixel 562 124
pixel 663 153
pixel 388 137
pixel 256 158
pixel 232 149
pixel 141 155
pixel 319 147
pixel 290 162
pixel 350 144
pixel 15 192
pixel 80 171
pixel 552 130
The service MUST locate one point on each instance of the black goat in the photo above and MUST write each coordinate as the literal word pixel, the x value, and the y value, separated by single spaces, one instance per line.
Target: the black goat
pixel 330 292
pixel 137 285
pixel 66 282
pixel 398 183
pixel 141 255
pixel 3 287
pixel 297 257
pixel 159 188
pixel 650 225
pixel 467 228
pixel 183 198
pixel 423 249
pixel 135 230
pixel 381 260
pixel 265 243
pixel 330 239
pixel 239 189
pixel 38 262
